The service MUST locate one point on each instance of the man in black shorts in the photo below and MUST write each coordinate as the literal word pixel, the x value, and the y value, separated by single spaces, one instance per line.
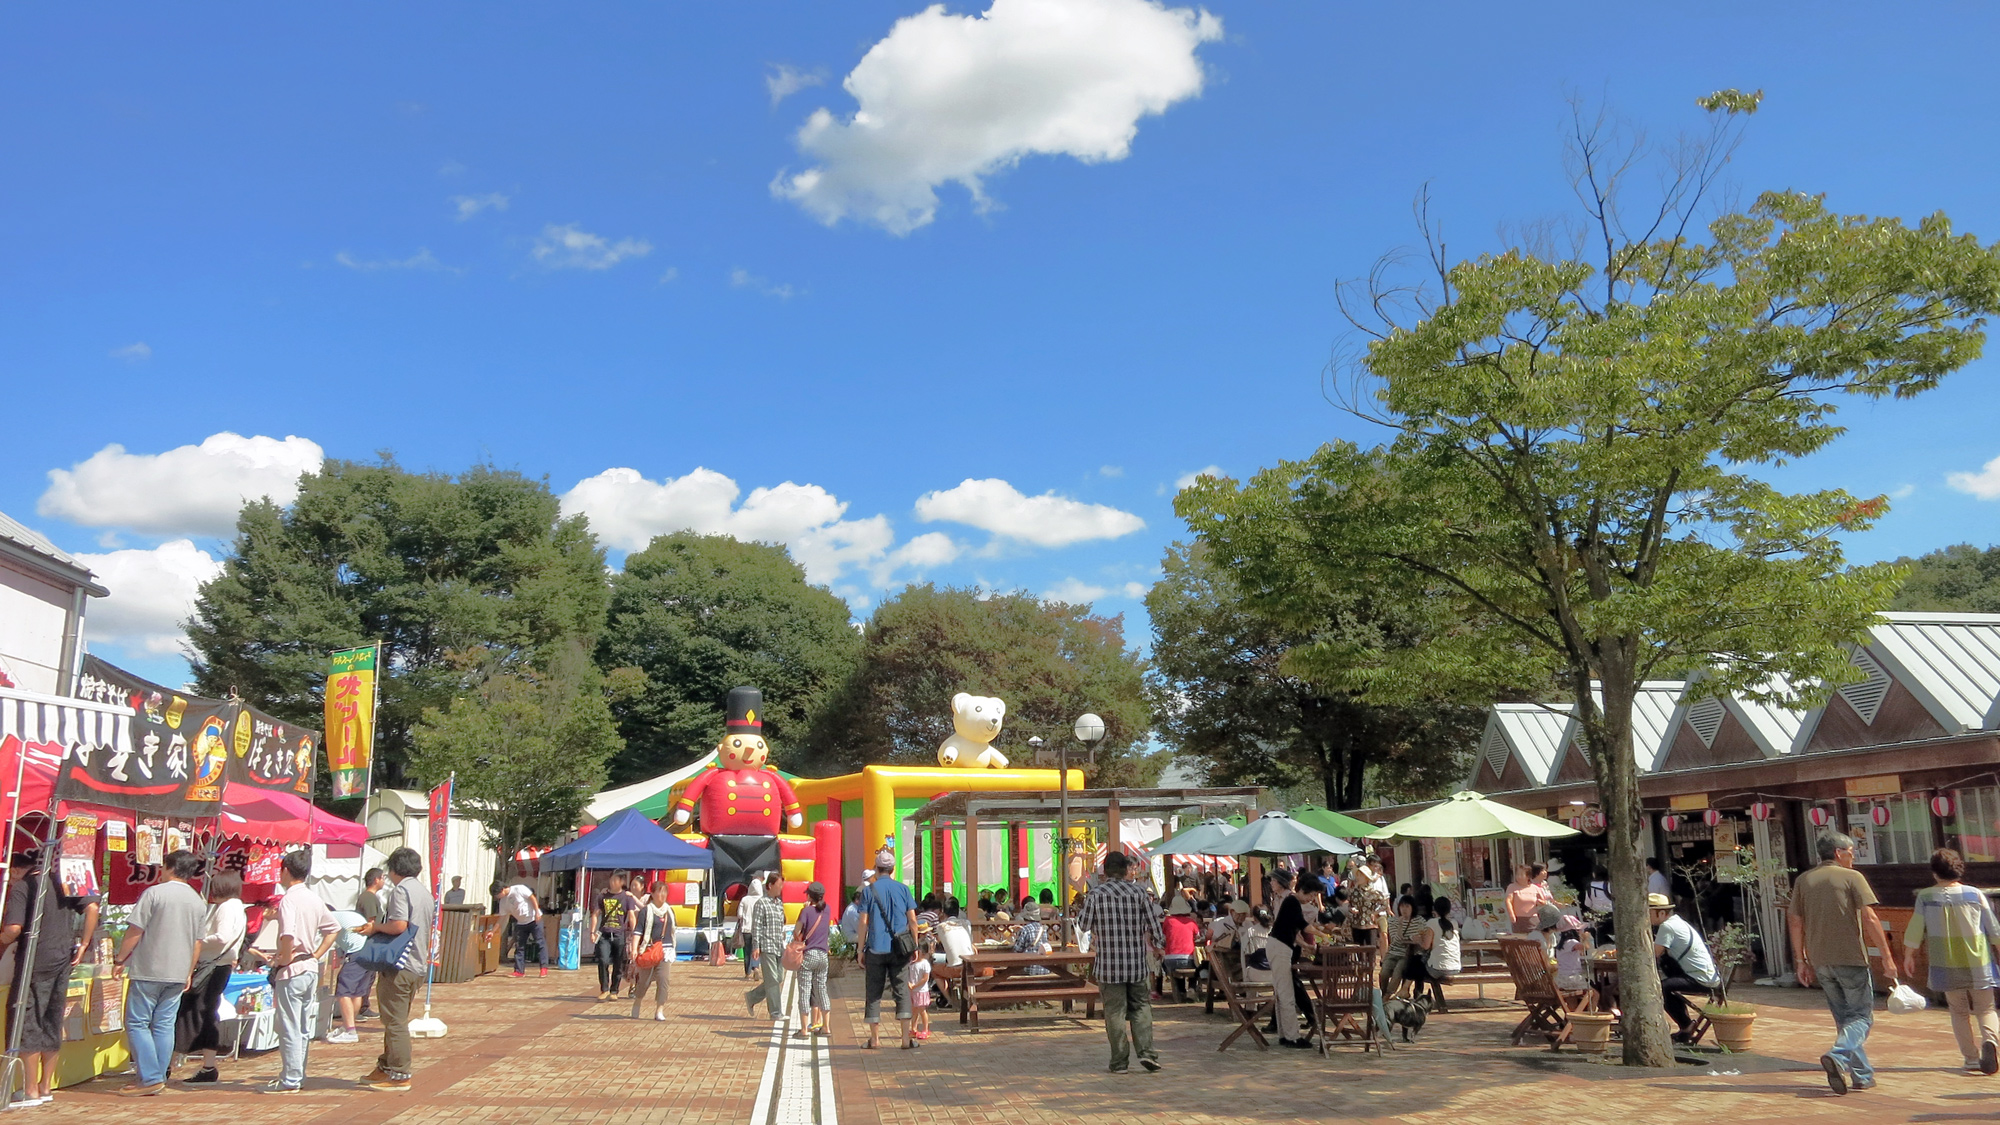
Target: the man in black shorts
pixel 58 948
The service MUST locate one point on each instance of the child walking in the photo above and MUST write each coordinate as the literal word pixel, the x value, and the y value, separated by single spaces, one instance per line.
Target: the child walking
pixel 917 976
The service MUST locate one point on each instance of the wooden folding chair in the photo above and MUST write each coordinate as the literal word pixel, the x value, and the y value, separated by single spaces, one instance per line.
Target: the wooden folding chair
pixel 1535 986
pixel 1345 996
pixel 1701 1025
pixel 1251 1002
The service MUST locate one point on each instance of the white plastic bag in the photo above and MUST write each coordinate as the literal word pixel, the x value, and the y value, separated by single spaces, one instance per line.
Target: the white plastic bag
pixel 1903 1000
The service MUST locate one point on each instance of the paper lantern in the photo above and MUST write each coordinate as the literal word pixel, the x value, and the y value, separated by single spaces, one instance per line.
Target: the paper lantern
pixel 1760 810
pixel 1711 817
pixel 1941 805
pixel 1593 821
pixel 1818 816
pixel 1880 815
pixel 1671 822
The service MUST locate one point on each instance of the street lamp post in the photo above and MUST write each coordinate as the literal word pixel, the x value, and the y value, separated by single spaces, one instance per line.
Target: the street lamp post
pixel 1089 730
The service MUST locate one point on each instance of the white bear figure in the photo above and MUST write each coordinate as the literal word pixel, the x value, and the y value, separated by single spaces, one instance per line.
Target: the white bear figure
pixel 977 720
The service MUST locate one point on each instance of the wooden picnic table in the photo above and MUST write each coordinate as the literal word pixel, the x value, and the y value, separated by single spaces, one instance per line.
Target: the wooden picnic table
pixel 1001 977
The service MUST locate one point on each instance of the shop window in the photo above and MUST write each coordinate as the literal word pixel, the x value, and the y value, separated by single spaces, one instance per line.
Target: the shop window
pixel 1907 836
pixel 1974 827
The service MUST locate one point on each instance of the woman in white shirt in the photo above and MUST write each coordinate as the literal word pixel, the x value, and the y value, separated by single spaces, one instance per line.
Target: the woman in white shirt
pixel 1434 954
pixel 196 1028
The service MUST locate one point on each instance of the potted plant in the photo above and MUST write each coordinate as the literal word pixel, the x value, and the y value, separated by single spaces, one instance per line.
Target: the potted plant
pixel 839 954
pixel 1591 1031
pixel 1733 1020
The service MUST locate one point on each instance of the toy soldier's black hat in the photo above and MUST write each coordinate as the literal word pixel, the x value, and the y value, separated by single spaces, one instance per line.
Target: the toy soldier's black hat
pixel 743 709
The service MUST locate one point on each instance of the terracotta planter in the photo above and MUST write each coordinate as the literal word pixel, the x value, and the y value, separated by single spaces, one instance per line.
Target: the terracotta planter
pixel 1591 1031
pixel 1732 1029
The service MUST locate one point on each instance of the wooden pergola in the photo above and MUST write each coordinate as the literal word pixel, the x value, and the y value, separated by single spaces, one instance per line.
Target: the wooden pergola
pixel 1088 808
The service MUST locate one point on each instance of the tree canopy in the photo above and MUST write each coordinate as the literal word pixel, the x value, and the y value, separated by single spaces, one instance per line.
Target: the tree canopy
pixel 1229 702
pixel 1576 430
pixel 1960 577
pixel 700 614
pixel 528 744
pixel 445 571
pixel 1049 661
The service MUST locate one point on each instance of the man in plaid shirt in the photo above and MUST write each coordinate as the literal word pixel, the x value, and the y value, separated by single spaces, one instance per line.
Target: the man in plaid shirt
pixel 1123 920
pixel 767 924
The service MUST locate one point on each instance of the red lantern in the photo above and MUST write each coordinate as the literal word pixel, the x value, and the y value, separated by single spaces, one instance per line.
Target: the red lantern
pixel 1711 817
pixel 1941 805
pixel 1880 815
pixel 1818 816
pixel 1670 822
pixel 1760 810
pixel 1593 821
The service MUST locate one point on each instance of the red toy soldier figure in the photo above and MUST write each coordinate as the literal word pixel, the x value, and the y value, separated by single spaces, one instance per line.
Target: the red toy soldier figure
pixel 740 795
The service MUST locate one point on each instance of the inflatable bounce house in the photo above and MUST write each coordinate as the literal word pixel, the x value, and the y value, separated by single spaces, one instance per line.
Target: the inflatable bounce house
pixel 754 819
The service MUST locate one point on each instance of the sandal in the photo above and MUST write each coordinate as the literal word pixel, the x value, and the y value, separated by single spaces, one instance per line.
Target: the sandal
pixel 909 1044
pixel 871 1046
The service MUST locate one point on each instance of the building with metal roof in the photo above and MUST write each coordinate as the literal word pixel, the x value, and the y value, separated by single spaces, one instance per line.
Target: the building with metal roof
pixel 43 593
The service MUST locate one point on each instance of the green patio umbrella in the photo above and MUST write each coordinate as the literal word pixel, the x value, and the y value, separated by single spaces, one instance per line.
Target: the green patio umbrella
pixel 1332 823
pixel 1275 833
pixel 1194 838
pixel 1466 815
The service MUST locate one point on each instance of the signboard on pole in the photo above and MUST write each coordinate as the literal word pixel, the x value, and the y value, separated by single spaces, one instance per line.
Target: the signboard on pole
pixel 440 834
pixel 350 718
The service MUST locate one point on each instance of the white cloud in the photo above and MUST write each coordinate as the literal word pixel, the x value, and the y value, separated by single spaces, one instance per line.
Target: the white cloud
pixel 928 551
pixel 957 98
pixel 1111 470
pixel 423 259
pixel 627 511
pixel 1189 478
pixel 570 247
pixel 1048 520
pixel 470 205
pixel 744 279
pixel 1985 484
pixel 783 81
pixel 133 352
pixel 193 490
pixel 1903 492
pixel 1074 591
pixel 673 274
pixel 152 592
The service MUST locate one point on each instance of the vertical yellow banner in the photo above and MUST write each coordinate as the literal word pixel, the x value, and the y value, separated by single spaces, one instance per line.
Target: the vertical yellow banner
pixel 350 719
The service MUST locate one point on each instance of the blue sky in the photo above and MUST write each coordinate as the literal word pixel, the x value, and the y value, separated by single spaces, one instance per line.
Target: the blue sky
pixel 573 240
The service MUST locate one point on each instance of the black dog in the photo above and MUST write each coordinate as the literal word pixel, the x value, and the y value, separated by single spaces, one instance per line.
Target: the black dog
pixel 1407 1015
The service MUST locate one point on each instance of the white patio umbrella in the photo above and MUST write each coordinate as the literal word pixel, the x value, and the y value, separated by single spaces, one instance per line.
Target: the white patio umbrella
pixel 1276 833
pixel 1195 839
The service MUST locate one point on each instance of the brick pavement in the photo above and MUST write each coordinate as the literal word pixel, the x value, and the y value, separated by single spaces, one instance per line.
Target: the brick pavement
pixel 542 1052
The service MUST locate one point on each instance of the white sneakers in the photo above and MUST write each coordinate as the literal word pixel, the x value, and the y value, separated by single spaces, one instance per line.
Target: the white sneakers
pixel 342 1035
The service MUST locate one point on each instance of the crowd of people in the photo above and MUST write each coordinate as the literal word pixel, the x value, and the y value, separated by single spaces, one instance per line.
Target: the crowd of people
pixel 180 947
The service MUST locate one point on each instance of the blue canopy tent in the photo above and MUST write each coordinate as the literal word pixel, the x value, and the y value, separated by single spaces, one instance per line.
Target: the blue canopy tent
pixel 628 839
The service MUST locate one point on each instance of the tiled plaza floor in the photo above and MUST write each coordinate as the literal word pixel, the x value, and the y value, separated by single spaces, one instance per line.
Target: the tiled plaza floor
pixel 542 1051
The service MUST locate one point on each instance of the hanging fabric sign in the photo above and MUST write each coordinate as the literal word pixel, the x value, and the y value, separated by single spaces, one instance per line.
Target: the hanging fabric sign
pixel 164 756
pixel 350 718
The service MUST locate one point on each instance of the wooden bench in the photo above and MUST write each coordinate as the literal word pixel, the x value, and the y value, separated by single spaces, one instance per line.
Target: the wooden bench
pixel 1002 978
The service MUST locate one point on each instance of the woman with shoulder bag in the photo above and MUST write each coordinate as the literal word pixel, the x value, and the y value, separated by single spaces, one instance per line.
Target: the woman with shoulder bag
pixel 655 950
pixel 814 927
pixel 196 1029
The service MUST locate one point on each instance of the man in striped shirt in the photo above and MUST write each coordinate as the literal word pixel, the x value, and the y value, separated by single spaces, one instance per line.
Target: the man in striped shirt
pixel 767 923
pixel 1123 920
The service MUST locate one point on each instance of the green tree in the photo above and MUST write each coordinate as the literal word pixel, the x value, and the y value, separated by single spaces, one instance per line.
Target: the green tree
pixel 1577 430
pixel 528 744
pixel 443 570
pixel 1228 700
pixel 700 614
pixel 1049 661
pixel 1956 578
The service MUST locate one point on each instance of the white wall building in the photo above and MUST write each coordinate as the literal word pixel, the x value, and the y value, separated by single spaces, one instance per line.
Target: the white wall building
pixel 43 591
pixel 400 818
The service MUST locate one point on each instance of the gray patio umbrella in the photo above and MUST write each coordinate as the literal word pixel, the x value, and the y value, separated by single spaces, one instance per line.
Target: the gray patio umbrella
pixel 1275 833
pixel 1195 839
